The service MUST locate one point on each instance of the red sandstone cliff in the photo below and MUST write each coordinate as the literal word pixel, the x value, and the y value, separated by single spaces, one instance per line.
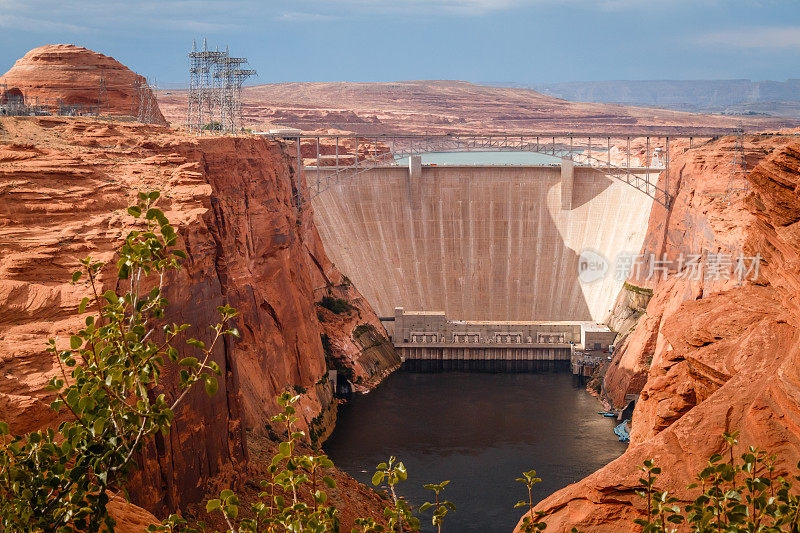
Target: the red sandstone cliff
pixel 64 187
pixel 702 219
pixel 717 357
pixel 75 75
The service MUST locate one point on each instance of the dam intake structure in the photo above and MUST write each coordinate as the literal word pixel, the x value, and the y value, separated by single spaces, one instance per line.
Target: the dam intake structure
pixel 430 335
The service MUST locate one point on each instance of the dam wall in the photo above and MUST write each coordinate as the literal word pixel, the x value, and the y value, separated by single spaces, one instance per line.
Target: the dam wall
pixel 481 242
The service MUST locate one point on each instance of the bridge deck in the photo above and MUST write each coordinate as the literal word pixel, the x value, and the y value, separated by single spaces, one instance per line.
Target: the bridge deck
pixel 347 155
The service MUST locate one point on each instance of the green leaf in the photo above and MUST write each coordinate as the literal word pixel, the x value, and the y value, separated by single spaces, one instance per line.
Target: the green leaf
pixel 377 478
pixel 3 428
pixel 75 342
pixel 194 342
pixel 76 275
pixel 213 505
pixel 111 297
pixel 211 385
pixel 135 211
pixel 284 449
pixel 188 361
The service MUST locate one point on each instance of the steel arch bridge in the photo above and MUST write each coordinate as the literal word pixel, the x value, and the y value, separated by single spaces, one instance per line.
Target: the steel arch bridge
pixel 354 154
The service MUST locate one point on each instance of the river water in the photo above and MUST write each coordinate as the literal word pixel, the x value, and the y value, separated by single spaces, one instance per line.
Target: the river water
pixel 479 430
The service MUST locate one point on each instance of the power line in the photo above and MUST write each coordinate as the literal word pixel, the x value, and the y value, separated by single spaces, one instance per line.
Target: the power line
pixel 215 90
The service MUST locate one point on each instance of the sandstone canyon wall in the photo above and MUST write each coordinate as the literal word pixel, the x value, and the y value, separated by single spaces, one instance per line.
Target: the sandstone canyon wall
pixel 712 356
pixel 64 187
pixel 76 76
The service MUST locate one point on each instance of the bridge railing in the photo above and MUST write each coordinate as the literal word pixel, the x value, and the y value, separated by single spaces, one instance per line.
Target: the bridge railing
pixel 387 150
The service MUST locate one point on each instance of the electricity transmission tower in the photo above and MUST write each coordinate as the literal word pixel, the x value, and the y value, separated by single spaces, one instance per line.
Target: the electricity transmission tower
pixel 215 90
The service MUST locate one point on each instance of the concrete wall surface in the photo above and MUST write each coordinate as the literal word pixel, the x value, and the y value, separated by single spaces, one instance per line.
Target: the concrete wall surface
pixel 481 243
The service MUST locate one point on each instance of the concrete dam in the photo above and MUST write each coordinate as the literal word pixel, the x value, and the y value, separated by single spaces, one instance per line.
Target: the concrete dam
pixel 490 243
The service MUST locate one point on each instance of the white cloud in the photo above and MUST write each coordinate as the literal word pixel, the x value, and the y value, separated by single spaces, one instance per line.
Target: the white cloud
pixel 755 37
pixel 478 7
pixel 197 26
pixel 302 16
pixel 19 22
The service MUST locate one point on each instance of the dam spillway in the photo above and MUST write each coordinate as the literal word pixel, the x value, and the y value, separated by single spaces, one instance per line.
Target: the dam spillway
pixel 481 242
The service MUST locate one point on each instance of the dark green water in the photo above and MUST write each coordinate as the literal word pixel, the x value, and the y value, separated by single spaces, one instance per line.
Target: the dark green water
pixel 479 430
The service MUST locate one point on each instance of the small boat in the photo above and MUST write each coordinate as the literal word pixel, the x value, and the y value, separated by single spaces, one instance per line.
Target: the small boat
pixel 607 414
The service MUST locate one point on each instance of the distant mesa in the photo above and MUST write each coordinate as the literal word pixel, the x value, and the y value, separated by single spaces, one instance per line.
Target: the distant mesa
pixel 72 76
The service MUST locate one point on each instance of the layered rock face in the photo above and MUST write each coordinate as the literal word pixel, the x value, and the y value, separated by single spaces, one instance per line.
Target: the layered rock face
pixel 703 219
pixel 75 75
pixel 717 356
pixel 65 186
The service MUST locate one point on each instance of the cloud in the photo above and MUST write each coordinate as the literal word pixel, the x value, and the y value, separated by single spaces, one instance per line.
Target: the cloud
pixel 301 16
pixel 755 37
pixel 19 22
pixel 465 7
pixel 479 7
pixel 307 9
pixel 198 26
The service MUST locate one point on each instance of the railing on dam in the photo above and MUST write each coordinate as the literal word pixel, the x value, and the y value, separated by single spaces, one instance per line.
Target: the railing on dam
pixel 636 158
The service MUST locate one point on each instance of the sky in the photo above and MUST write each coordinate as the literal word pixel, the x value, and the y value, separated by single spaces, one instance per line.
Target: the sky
pixel 520 41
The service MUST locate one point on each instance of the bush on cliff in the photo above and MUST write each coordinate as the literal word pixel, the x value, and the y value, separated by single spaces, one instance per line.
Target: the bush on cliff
pixel 335 305
pixel 62 480
pixel 294 498
pixel 735 495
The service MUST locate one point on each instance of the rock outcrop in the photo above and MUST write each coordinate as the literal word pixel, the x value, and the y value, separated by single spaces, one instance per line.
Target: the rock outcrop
pixel 702 219
pixel 63 193
pixel 718 356
pixel 68 75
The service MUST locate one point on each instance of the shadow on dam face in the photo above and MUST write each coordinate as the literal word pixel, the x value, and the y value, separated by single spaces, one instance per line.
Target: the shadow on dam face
pixel 481 243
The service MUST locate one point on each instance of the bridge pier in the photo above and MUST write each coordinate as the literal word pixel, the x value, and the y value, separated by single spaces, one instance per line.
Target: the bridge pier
pixel 567 178
pixel 415 166
pixel 413 180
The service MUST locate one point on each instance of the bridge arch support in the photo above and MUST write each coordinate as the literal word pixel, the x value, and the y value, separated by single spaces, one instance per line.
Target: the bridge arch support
pixel 329 160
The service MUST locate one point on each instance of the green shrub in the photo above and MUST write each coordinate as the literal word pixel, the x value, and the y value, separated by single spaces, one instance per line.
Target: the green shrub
pixel 294 497
pixel 734 495
pixel 361 329
pixel 60 480
pixel 326 345
pixel 532 521
pixel 638 290
pixel 336 305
